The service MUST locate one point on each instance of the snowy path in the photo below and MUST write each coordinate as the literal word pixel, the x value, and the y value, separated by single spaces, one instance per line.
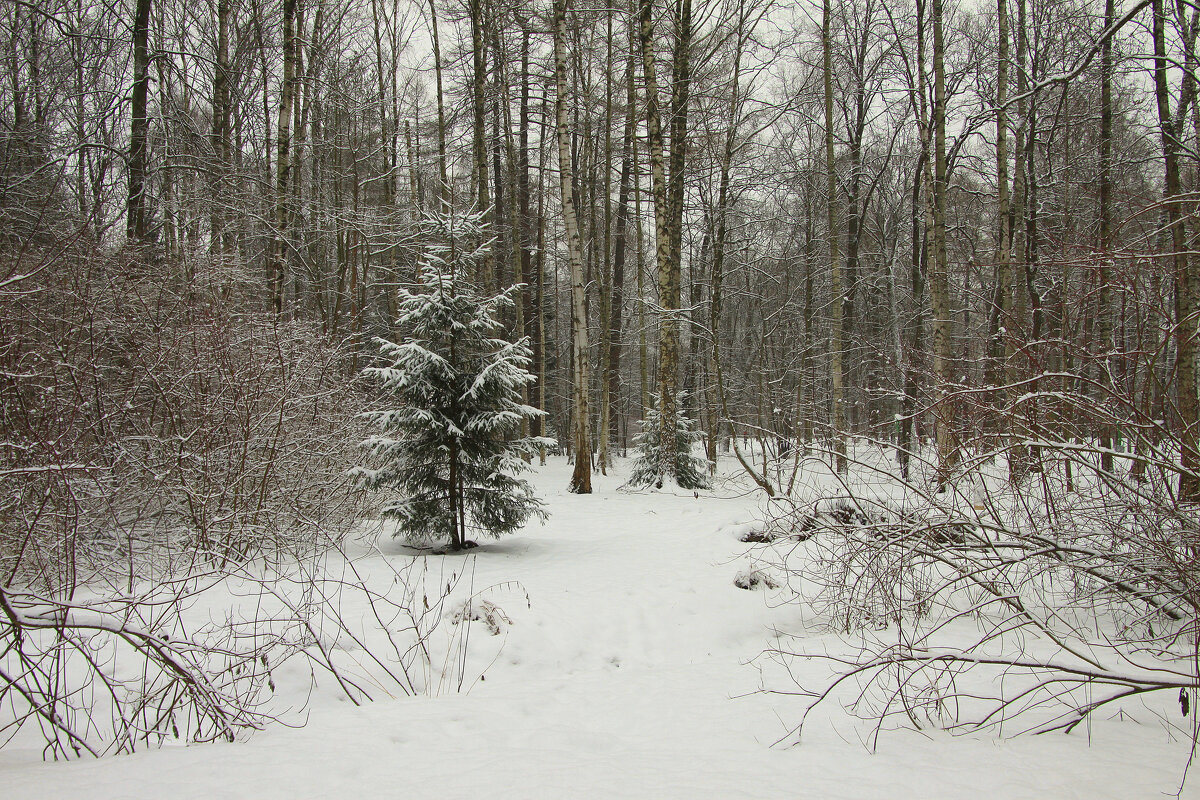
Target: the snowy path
pixel 624 678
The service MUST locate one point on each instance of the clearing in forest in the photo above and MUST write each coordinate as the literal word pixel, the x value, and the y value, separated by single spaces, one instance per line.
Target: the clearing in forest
pixel 617 658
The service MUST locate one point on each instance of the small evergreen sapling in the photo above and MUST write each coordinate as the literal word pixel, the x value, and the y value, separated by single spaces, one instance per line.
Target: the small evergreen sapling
pixel 451 444
pixel 656 461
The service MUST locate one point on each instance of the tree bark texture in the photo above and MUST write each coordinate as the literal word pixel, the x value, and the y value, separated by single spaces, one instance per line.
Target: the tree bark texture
pixel 581 478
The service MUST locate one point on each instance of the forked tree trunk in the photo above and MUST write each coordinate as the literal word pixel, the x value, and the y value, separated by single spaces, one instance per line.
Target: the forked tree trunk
pixel 670 280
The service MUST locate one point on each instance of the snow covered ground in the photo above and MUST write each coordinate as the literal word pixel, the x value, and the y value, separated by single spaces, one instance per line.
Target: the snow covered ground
pixel 630 672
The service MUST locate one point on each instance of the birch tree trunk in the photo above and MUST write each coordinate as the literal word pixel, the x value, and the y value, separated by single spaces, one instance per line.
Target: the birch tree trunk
pixel 668 355
pixel 1018 456
pixel 668 200
pixel 581 478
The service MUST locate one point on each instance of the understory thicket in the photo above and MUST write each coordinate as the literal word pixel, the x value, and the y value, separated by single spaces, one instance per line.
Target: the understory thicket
pixel 164 447
pixel 1014 604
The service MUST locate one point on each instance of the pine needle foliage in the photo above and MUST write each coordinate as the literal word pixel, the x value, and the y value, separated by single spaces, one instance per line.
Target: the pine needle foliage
pixel 450 445
pixel 657 460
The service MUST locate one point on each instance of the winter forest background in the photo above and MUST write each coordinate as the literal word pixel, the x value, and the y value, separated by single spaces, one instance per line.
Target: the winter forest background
pixel 922 279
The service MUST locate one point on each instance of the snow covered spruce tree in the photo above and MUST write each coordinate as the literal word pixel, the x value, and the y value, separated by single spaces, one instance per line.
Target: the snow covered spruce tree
pixel 450 446
pixel 657 460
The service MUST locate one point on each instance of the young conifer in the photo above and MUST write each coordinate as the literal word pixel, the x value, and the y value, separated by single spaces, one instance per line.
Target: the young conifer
pixel 450 443
pixel 657 460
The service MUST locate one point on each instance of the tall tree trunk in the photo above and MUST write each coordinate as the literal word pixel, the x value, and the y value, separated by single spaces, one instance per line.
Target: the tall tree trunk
pixel 479 165
pixel 640 254
pixel 1016 366
pixel 1186 282
pixel 533 322
pixel 716 279
pixel 856 129
pixel 670 280
pixel 606 264
pixel 922 225
pixel 540 262
pixel 808 368
pixel 1104 315
pixel 668 343
pixel 287 89
pixel 916 331
pixel 299 124
pixel 1029 457
pixel 668 201
pixel 1006 328
pixel 939 283
pixel 135 208
pixel 620 248
pixel 501 227
pixel 838 411
pixel 386 126
pixel 581 478
pixel 443 192
pixel 220 135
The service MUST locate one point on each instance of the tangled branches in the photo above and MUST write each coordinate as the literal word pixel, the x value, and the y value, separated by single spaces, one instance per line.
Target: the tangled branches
pixel 992 606
pixel 108 674
pixel 198 658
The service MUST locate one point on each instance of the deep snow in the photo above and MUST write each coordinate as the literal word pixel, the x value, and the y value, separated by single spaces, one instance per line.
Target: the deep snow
pixel 632 672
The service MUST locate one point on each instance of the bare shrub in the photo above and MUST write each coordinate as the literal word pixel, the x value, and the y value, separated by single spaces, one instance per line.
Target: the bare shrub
pixel 1016 607
pixel 485 611
pixel 396 630
pixel 197 658
pixel 100 674
pixel 157 443
pixel 139 417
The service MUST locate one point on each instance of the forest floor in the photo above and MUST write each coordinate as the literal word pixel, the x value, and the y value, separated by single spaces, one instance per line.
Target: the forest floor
pixel 629 667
